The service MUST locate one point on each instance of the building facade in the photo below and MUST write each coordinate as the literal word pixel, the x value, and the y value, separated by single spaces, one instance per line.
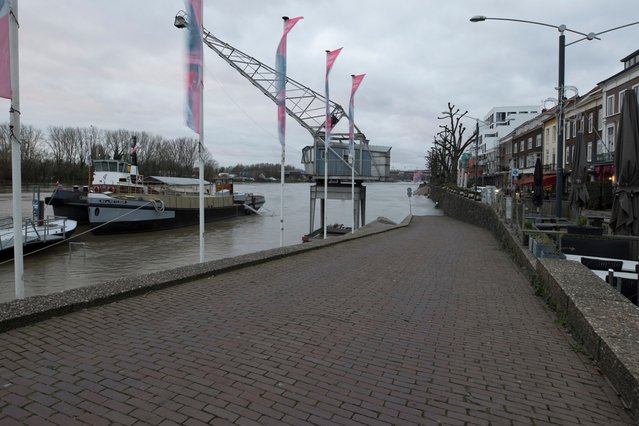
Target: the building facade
pixel 497 123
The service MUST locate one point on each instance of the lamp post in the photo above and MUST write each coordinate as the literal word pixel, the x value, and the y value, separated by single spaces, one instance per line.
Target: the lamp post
pixel 476 155
pixel 560 88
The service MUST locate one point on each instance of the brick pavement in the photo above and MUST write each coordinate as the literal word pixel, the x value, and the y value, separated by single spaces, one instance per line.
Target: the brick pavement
pixel 434 325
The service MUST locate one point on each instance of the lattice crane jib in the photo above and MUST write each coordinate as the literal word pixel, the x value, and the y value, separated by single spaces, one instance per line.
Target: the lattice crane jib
pixel 303 104
pixel 308 108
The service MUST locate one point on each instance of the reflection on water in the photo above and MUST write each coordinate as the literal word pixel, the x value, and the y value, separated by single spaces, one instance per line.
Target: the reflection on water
pixel 93 259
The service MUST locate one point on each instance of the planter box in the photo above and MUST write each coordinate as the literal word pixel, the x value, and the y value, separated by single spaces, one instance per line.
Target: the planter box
pixel 539 248
pixel 584 230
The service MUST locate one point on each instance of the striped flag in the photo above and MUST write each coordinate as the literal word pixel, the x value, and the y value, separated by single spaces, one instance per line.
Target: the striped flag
pixel 280 83
pixel 5 54
pixel 357 80
pixel 331 56
pixel 194 61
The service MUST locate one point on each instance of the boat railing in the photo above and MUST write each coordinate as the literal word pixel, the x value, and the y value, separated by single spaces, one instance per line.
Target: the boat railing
pixel 41 228
pixel 6 222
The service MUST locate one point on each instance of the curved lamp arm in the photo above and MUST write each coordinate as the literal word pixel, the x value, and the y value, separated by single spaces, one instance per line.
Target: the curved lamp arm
pixel 560 28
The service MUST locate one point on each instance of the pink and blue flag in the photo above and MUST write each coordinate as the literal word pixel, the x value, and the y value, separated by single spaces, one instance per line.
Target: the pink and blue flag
pixel 194 62
pixel 280 82
pixel 5 53
pixel 357 80
pixel 331 56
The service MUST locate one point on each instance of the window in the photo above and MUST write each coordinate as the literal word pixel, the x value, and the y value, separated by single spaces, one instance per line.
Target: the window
pixel 581 124
pixel 610 140
pixel 529 144
pixel 610 105
pixel 521 146
pixel 620 98
pixel 589 152
pixel 554 134
pixel 515 148
pixel 590 118
pixel 567 131
pixel 547 134
pixel 538 141
pixel 574 128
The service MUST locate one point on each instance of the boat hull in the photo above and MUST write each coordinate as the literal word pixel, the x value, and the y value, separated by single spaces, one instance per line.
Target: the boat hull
pixel 71 204
pixel 36 236
pixel 113 214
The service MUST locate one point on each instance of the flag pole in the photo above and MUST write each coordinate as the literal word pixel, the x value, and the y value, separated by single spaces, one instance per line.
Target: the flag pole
pixel 327 139
pixel 356 81
pixel 195 94
pixel 331 56
pixel 280 85
pixel 14 129
pixel 351 151
pixel 281 125
pixel 201 125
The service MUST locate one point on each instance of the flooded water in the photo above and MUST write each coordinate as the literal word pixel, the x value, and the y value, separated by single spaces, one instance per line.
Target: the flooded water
pixel 88 259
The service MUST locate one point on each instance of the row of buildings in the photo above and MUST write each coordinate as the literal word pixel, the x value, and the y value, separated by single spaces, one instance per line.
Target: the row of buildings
pixel 512 138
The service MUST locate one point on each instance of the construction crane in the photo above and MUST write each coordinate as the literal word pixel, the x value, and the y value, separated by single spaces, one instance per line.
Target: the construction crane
pixel 308 108
pixel 304 105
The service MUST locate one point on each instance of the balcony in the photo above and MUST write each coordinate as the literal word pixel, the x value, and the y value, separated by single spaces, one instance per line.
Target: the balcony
pixel 606 157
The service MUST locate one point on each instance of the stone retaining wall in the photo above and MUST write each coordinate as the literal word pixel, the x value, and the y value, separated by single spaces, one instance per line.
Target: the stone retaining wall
pixel 604 322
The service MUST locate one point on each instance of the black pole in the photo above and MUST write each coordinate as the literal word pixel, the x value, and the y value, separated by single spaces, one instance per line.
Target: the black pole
pixel 476 155
pixel 560 124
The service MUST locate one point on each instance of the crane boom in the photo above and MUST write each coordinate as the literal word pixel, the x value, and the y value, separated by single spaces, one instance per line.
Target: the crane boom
pixel 304 105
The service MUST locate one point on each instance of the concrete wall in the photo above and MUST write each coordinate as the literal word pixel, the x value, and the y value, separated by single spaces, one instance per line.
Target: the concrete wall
pixel 603 321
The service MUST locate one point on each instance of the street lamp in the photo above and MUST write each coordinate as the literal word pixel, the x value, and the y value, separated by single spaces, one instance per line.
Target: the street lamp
pixel 560 88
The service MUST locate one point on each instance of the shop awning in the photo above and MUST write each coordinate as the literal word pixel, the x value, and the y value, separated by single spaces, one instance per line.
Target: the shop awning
pixel 530 180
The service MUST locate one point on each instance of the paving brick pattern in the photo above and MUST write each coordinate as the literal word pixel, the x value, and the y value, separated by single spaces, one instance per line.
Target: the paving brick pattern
pixel 428 324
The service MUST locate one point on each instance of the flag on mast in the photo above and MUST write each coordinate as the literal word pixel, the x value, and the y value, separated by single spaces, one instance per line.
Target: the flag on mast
pixel 5 54
pixel 280 83
pixel 194 54
pixel 357 80
pixel 331 56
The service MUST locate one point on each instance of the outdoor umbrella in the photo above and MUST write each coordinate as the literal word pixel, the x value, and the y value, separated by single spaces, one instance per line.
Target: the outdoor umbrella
pixel 624 218
pixel 538 184
pixel 579 194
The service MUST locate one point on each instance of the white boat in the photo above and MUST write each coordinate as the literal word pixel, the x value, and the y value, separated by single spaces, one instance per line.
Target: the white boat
pixel 36 234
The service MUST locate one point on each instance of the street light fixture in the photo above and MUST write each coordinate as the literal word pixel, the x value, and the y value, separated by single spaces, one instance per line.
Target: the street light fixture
pixel 560 89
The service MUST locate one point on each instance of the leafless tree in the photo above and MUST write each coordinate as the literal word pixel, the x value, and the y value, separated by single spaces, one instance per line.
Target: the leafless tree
pixel 449 142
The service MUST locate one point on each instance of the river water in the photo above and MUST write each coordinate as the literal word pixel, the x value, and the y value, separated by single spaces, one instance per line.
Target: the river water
pixel 93 259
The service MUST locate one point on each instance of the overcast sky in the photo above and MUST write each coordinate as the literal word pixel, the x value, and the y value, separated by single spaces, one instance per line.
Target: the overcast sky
pixel 119 64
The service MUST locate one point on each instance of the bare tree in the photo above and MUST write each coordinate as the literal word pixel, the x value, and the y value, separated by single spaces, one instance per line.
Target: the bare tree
pixel 62 144
pixel 449 142
pixel 116 143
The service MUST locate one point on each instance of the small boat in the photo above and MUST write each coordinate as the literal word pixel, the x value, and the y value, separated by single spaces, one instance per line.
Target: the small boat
pixel 36 234
pixel 334 229
pixel 121 200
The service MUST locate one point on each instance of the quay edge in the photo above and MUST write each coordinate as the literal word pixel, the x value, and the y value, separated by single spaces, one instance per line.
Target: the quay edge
pixel 22 312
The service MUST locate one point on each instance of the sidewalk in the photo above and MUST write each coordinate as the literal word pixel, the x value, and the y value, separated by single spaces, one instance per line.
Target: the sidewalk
pixel 430 323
